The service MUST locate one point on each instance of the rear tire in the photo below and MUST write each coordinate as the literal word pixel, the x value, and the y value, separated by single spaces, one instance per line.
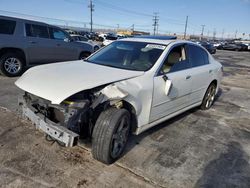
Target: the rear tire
pixel 110 135
pixel 84 55
pixel 11 64
pixel 209 97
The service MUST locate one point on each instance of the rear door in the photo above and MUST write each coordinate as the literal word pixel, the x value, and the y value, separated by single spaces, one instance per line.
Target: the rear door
pixel 201 72
pixel 39 48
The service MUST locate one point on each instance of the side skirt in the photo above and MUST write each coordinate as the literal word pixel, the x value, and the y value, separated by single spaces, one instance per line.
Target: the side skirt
pixel 152 124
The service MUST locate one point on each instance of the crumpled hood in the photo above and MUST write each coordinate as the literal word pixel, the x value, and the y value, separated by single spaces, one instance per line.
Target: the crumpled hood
pixel 58 81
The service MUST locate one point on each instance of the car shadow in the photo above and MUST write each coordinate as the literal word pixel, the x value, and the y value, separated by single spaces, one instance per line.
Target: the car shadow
pixel 230 169
pixel 136 139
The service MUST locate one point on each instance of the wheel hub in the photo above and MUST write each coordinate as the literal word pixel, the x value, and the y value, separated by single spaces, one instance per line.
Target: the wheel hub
pixel 210 97
pixel 120 138
pixel 12 65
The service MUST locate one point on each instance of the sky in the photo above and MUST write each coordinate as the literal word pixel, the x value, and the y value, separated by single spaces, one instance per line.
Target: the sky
pixel 224 17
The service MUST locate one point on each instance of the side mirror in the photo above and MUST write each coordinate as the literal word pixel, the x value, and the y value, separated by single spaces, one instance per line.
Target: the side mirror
pixel 168 84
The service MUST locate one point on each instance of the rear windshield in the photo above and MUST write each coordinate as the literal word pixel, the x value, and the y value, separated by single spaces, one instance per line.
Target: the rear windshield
pixel 7 26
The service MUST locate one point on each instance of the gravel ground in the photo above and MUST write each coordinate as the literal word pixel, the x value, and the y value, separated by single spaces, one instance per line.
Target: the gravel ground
pixel 196 149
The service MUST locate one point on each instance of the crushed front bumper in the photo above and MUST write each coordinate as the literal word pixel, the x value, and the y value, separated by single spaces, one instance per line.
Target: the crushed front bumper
pixel 54 130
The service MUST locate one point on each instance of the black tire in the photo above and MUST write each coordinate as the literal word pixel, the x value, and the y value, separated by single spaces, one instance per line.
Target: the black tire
pixel 96 48
pixel 209 97
pixel 106 135
pixel 11 64
pixel 84 55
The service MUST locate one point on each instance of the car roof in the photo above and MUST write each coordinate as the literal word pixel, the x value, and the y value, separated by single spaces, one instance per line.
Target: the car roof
pixel 22 19
pixel 157 41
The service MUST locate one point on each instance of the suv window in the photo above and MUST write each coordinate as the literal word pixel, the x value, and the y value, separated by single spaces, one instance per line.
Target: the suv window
pixel 176 60
pixel 197 56
pixel 58 34
pixel 7 26
pixel 36 31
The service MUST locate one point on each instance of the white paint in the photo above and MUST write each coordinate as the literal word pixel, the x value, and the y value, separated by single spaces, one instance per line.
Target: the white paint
pixel 58 81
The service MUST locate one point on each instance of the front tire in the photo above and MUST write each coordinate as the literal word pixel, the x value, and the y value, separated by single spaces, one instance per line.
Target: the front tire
pixel 11 65
pixel 110 135
pixel 209 97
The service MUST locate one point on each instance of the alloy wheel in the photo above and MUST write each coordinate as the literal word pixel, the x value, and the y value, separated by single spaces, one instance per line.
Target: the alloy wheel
pixel 12 65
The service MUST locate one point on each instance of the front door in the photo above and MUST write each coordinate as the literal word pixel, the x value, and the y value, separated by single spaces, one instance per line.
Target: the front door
pixel 176 68
pixel 64 49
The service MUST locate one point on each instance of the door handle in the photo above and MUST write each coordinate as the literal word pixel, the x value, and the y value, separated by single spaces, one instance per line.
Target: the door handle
pixel 210 71
pixel 58 44
pixel 188 77
pixel 33 42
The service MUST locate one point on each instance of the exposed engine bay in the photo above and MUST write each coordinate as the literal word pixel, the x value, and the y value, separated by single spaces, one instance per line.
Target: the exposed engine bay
pixel 79 112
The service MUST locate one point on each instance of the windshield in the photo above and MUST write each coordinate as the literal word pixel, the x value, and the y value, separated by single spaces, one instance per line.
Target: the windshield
pixel 138 56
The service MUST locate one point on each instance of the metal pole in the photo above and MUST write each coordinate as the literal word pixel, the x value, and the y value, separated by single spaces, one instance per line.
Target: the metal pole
pixel 155 22
pixel 91 6
pixel 185 32
pixel 202 30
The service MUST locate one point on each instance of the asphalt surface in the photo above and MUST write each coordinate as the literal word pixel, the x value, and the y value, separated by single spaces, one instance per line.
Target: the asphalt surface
pixel 196 149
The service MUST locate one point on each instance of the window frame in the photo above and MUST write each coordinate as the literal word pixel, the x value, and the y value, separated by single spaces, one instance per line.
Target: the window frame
pixel 159 73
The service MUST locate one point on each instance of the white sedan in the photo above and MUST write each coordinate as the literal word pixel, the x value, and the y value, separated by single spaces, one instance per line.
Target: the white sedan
pixel 129 86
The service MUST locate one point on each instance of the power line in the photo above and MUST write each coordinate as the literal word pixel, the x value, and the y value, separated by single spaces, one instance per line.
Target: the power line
pixel 155 22
pixel 111 6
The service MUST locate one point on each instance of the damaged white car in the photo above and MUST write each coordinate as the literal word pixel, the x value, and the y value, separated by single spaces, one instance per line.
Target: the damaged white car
pixel 128 86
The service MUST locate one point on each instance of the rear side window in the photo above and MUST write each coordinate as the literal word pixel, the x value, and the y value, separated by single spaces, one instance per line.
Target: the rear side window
pixel 197 56
pixel 36 31
pixel 7 26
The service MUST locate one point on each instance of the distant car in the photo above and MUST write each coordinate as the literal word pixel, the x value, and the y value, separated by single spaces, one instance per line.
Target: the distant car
pixel 80 38
pixel 128 86
pixel 210 48
pixel 27 43
pixel 109 39
pixel 248 46
pixel 233 46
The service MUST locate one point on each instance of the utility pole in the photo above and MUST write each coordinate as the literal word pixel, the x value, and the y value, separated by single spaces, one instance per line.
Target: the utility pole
pixel 155 22
pixel 91 7
pixel 222 34
pixel 235 36
pixel 214 34
pixel 185 32
pixel 202 30
pixel 118 26
pixel 133 27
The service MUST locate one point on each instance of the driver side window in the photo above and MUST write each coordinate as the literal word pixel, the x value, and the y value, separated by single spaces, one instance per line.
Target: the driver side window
pixel 176 60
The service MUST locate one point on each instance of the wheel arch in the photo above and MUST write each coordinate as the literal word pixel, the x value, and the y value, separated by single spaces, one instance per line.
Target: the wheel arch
pixel 131 109
pixel 13 50
pixel 84 52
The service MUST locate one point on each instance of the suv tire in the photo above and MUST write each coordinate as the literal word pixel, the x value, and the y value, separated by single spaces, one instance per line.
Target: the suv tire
pixel 110 135
pixel 11 64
